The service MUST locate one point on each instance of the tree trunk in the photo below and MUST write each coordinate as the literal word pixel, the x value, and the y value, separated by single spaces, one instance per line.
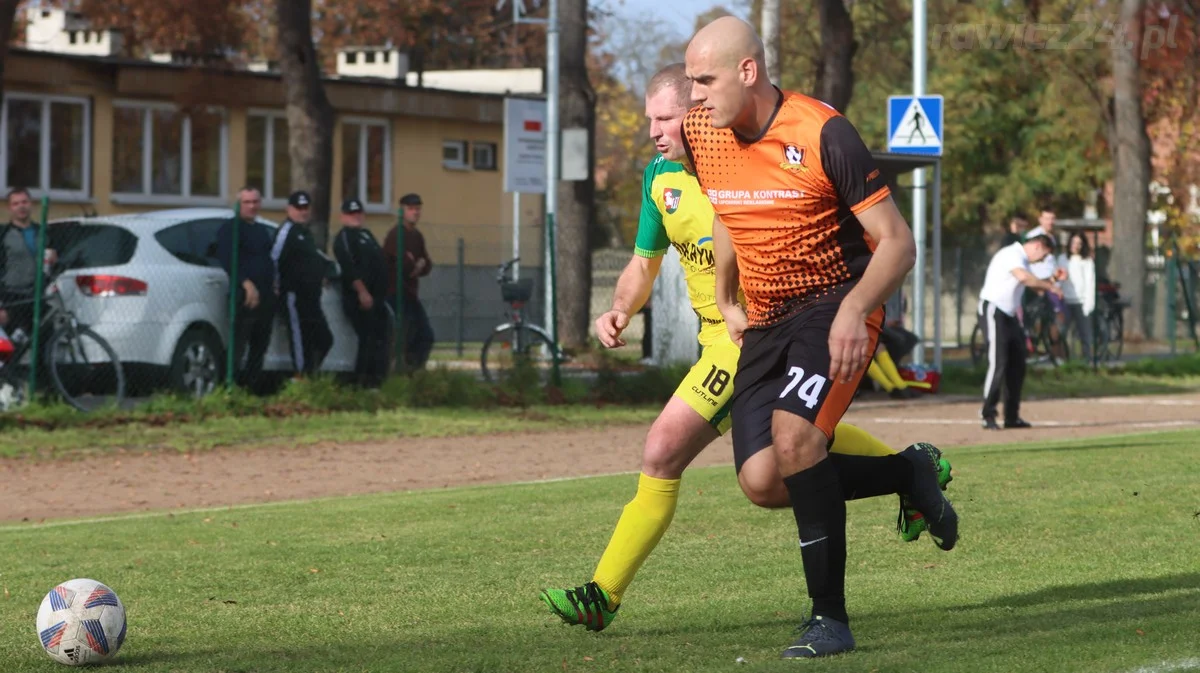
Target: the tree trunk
pixel 309 114
pixel 1131 154
pixel 835 72
pixel 576 200
pixel 770 38
pixel 8 14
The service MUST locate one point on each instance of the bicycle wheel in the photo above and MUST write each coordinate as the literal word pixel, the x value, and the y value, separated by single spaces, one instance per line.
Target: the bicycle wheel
pixel 1115 326
pixel 978 345
pixel 514 352
pixel 85 369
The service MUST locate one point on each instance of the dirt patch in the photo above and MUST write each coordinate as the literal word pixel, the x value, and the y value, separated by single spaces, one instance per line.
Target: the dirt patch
pixel 155 481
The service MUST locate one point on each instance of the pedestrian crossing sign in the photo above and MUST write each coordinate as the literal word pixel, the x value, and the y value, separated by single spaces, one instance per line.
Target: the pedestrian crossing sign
pixel 915 125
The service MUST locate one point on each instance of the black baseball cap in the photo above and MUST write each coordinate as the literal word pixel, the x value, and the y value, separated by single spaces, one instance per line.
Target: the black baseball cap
pixel 410 200
pixel 300 199
pixel 351 206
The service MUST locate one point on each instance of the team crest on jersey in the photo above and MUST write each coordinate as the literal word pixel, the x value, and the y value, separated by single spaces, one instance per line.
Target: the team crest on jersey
pixel 671 198
pixel 793 158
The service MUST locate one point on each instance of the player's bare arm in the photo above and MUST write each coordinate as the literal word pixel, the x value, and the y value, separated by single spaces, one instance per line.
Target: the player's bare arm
pixel 725 261
pixel 895 253
pixel 1031 281
pixel 633 289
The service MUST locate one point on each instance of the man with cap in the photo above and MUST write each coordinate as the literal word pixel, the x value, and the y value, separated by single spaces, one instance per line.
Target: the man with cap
pixel 1008 274
pixel 299 276
pixel 364 293
pixel 253 279
pixel 418 332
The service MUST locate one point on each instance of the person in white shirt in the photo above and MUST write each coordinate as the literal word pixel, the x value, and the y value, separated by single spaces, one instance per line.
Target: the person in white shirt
pixel 1008 274
pixel 1079 289
pixel 1048 268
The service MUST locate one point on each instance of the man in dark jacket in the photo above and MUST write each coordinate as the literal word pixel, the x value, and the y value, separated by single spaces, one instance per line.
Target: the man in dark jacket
pixel 418 331
pixel 253 281
pixel 364 293
pixel 300 274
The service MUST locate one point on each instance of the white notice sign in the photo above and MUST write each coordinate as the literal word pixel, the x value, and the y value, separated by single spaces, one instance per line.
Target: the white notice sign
pixel 524 146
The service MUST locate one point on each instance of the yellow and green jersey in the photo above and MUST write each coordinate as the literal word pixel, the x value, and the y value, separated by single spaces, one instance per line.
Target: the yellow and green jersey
pixel 676 212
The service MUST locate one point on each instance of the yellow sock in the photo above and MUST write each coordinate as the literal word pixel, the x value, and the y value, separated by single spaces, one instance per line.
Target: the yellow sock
pixel 878 376
pixel 850 440
pixel 641 526
pixel 889 368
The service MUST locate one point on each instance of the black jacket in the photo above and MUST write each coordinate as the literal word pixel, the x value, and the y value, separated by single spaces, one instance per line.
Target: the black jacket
pixel 361 258
pixel 299 266
pixel 254 254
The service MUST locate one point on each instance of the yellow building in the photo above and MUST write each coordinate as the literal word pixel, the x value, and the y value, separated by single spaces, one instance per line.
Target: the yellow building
pixel 110 135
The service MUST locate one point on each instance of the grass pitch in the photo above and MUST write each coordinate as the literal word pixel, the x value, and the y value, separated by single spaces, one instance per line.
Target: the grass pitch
pixel 1075 556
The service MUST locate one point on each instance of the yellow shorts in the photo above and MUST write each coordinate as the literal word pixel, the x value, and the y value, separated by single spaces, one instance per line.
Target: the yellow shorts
pixel 708 386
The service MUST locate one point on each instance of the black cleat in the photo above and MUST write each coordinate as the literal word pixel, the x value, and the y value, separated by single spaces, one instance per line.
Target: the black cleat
pixel 1017 424
pixel 990 424
pixel 820 637
pixel 926 495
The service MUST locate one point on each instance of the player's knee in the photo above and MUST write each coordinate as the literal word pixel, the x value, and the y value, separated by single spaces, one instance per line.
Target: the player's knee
pixel 764 491
pixel 662 457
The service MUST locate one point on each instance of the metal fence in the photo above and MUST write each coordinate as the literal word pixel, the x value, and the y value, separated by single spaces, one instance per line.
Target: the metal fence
pixel 151 292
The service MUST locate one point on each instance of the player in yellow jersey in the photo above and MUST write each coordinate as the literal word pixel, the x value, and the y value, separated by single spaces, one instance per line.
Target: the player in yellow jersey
pixel 675 212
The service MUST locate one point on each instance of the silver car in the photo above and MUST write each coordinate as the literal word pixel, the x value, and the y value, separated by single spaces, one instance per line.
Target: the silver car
pixel 149 285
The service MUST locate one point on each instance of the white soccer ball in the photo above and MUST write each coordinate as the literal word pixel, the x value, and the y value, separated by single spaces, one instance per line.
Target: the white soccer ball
pixel 81 622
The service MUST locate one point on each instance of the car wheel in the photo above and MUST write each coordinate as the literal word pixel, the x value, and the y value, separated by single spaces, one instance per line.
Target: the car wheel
pixel 196 367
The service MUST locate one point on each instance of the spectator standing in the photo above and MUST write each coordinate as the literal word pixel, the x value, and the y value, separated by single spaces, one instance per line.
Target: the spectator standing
pixel 1008 274
pixel 1079 289
pixel 299 277
pixel 253 280
pixel 418 331
pixel 1016 231
pixel 18 262
pixel 364 293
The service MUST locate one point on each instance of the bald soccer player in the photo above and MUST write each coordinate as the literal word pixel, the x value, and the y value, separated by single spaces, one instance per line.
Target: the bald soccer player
pixel 675 213
pixel 807 227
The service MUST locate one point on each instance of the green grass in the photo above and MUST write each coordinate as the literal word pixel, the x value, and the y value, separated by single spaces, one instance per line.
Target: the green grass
pixel 1075 556
pixel 350 426
pixel 1148 377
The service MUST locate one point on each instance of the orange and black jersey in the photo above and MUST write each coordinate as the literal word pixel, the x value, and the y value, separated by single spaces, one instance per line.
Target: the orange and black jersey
pixel 789 200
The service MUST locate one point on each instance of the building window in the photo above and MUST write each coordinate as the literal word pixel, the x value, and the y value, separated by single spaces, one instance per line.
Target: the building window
pixel 454 154
pixel 268 164
pixel 483 156
pixel 47 144
pixel 370 57
pixel 351 57
pixel 366 161
pixel 161 153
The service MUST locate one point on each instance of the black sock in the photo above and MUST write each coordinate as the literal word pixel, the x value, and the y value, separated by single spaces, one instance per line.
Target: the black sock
pixel 869 476
pixel 821 520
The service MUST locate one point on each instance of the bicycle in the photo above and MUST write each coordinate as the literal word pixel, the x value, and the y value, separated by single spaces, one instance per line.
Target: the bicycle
pixel 83 367
pixel 1044 339
pixel 517 343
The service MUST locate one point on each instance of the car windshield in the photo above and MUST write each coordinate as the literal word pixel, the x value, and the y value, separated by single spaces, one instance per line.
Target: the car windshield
pixel 84 246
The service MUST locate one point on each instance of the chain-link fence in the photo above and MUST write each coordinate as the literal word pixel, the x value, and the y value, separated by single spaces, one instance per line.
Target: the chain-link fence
pixel 152 292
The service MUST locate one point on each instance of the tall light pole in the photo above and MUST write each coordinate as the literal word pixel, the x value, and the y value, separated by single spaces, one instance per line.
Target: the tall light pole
pixel 548 285
pixel 918 213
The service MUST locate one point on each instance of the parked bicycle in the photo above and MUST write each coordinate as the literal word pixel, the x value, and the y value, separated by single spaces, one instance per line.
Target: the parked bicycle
pixel 82 367
pixel 518 343
pixel 1044 338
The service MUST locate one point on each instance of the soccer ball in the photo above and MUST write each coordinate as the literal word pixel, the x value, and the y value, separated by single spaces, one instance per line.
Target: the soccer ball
pixel 81 622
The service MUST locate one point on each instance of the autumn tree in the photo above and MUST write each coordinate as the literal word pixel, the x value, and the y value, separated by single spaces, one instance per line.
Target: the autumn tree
pixel 208 27
pixel 8 14
pixel 436 35
pixel 576 200
pixel 309 113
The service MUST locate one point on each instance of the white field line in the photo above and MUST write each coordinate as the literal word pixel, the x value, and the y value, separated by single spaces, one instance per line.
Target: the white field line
pixel 133 516
pixel 1190 664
